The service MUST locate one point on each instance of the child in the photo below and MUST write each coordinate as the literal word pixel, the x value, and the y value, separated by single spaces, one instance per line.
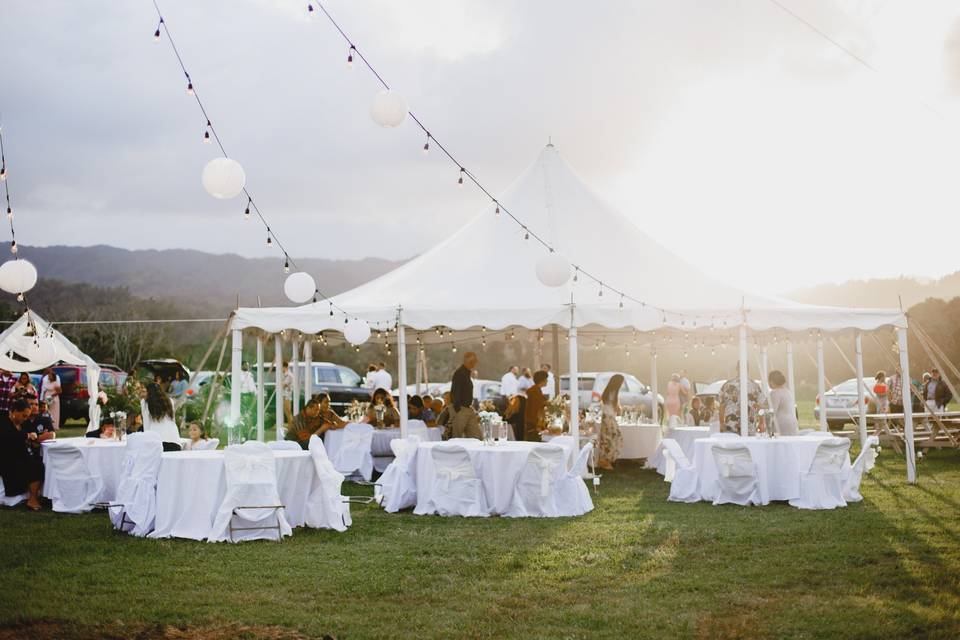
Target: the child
pixel 195 434
pixel 881 392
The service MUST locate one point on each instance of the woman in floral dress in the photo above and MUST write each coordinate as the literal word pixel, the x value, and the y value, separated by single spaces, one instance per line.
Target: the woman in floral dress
pixel 611 439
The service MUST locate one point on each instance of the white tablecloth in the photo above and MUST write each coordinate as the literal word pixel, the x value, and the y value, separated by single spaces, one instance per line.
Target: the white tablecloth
pixel 103 457
pixel 639 440
pixel 685 437
pixel 380 446
pixel 192 484
pixel 498 467
pixel 779 463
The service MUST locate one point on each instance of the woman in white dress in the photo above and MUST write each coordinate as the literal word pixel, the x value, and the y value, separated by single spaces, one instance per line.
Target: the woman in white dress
pixel 50 390
pixel 157 412
pixel 782 405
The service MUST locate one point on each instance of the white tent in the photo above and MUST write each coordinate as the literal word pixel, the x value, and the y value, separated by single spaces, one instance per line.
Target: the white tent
pixel 30 344
pixel 483 276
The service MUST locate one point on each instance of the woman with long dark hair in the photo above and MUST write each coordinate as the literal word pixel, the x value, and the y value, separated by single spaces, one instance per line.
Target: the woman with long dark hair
pixel 157 412
pixel 390 415
pixel 611 439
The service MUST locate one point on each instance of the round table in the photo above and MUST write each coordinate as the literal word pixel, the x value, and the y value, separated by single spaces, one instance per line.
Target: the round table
pixel 498 466
pixel 779 462
pixel 685 437
pixel 379 447
pixel 103 458
pixel 191 486
pixel 639 440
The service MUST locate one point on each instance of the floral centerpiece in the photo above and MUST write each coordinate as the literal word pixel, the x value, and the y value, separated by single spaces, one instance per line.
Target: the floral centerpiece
pixel 356 411
pixel 556 413
pixel 490 422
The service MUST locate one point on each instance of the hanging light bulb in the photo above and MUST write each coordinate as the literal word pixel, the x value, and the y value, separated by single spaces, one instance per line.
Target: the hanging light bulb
pixel 576 274
pixel 309 8
pixel 600 295
pixel 206 134
pixel 269 239
pixel 454 348
pixel 286 266
pixel 246 212
pixel 350 58
pixel 526 234
pixel 426 145
pixel 20 299
pixel 13 247
pixel 156 34
pixel 189 86
pixel 496 211
pixel 621 301
pixel 9 213
pixel 3 172
pixel 460 179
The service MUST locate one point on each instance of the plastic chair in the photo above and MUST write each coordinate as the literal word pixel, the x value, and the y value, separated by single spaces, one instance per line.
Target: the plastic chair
pixel 456 491
pixel 397 489
pixel 354 455
pixel 572 495
pixel 326 506
pixel 77 489
pixel 680 473
pixel 534 494
pixel 135 509
pixel 284 445
pixel 821 486
pixel 252 500
pixel 737 475
pixel 863 464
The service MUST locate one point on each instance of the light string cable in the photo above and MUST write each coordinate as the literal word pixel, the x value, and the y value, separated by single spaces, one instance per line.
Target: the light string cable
pixel 14 249
pixel 529 233
pixel 211 130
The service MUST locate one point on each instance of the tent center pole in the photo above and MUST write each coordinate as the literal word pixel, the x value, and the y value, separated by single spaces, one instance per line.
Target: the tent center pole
pixel 261 410
pixel 402 372
pixel 574 385
pixel 861 404
pixel 907 405
pixel 278 383
pixel 744 382
pixel 821 383
pixel 236 354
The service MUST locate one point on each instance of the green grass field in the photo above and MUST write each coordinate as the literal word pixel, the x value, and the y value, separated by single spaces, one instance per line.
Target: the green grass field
pixel 638 566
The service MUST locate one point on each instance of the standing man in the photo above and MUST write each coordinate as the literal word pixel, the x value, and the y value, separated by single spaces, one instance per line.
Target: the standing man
pixel 383 380
pixel 936 392
pixel 550 389
pixel 512 410
pixel 7 380
pixel 465 423
pixel 730 405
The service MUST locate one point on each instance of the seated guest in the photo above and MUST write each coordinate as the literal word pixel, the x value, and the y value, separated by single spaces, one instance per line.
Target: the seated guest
pixel 445 415
pixel 329 417
pixel 24 386
pixel 391 417
pixel 697 414
pixel 428 415
pixel 107 430
pixel 415 408
pixel 40 421
pixel 21 470
pixel 709 412
pixel 196 437
pixel 135 423
pixel 533 411
pixel 313 420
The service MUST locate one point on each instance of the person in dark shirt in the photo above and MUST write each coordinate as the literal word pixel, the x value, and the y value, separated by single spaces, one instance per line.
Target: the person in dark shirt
pixel 533 410
pixel 465 423
pixel 22 472
pixel 107 430
pixel 40 423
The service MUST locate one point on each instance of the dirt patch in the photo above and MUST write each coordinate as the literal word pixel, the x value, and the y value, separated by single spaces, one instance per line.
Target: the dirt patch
pixel 55 630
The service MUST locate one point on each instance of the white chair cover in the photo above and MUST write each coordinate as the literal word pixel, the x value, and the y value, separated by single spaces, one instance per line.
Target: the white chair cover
pixel 135 509
pixel 210 444
pixel 418 428
pixel 456 491
pixel 569 445
pixel 680 473
pixel 10 501
pixel 821 487
pixel 77 488
pixel 736 475
pixel 863 464
pixel 326 506
pixel 251 482
pixel 354 454
pixel 534 494
pixel 572 495
pixel 397 489
pixel 284 445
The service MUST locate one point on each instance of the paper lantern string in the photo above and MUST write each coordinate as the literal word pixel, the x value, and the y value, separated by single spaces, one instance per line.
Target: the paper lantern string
pixel 14 249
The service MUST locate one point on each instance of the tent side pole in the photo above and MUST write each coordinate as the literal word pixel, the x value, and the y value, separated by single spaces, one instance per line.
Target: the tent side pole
pixel 417 377
pixel 261 409
pixel 574 385
pixel 402 372
pixel 654 394
pixel 295 368
pixel 236 355
pixel 907 405
pixel 278 382
pixel 765 370
pixel 555 365
pixel 307 369
pixel 862 407
pixel 821 383
pixel 744 381
pixel 790 379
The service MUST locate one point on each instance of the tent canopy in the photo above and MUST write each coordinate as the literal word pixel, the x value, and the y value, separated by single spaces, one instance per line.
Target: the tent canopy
pixel 484 276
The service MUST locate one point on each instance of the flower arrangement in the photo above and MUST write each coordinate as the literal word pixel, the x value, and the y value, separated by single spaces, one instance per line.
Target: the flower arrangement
pixel 356 411
pixel 487 406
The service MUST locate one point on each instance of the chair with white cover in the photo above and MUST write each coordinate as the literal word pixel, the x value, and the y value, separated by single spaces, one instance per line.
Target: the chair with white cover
pixel 354 455
pixel 821 486
pixel 681 474
pixel 534 494
pixel 10 501
pixel 135 509
pixel 396 489
pixel 456 490
pixel 284 445
pixel 77 488
pixel 251 508
pixel 418 428
pixel 569 445
pixel 210 444
pixel 572 495
pixel 736 475
pixel 326 506
pixel 863 464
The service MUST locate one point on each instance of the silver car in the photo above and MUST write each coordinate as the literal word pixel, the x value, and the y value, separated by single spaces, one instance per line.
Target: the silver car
pixel 841 402
pixel 633 393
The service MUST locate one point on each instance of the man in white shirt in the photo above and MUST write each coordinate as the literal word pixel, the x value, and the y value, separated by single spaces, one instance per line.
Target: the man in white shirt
pixel 508 389
pixel 382 379
pixel 550 388
pixel 508 383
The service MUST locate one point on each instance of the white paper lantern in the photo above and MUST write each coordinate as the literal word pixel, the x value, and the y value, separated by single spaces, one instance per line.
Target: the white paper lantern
pixel 356 331
pixel 553 270
pixel 223 178
pixel 299 287
pixel 17 276
pixel 389 108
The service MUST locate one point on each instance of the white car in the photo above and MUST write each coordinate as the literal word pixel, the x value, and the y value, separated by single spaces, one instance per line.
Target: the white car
pixel 633 393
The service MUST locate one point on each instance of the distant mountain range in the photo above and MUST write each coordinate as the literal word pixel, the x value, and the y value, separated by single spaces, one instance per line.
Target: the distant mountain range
pixel 881 292
pixel 200 282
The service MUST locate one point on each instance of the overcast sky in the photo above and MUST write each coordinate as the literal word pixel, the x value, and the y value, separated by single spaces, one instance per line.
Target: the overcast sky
pixel 726 129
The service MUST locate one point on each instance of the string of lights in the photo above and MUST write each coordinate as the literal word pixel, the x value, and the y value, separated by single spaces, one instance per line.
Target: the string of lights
pixel 211 135
pixel 499 208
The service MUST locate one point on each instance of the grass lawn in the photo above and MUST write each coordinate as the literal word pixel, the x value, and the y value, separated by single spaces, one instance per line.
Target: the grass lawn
pixel 637 566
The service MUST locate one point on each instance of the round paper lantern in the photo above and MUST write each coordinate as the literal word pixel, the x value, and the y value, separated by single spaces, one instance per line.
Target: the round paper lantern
pixel 299 287
pixel 223 178
pixel 356 331
pixel 389 108
pixel 17 276
pixel 553 270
